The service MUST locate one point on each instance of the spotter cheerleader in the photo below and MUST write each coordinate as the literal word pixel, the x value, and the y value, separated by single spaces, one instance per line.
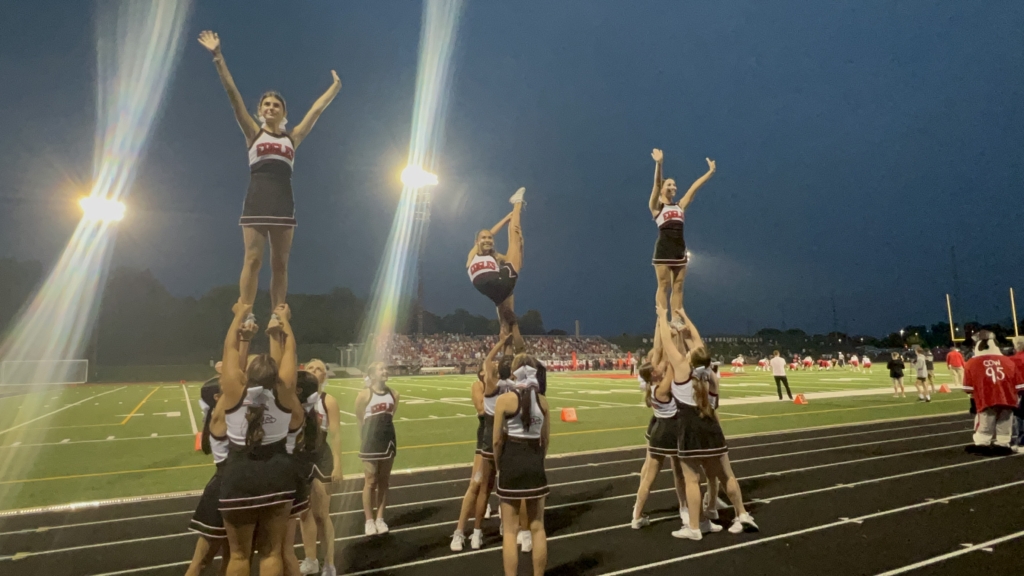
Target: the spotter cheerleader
pixel 301 449
pixel 701 441
pixel 494 275
pixel 268 212
pixel 521 433
pixel 493 380
pixel 375 411
pixel 324 450
pixel 670 256
pixel 256 411
pixel 662 432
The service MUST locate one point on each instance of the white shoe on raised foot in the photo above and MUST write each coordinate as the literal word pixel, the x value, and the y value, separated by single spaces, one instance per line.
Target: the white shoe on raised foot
pixel 382 528
pixel 743 523
pixel 371 528
pixel 640 522
pixel 525 540
pixel 309 566
pixel 688 533
pixel 476 541
pixel 329 570
pixel 458 539
pixel 709 527
pixel 518 196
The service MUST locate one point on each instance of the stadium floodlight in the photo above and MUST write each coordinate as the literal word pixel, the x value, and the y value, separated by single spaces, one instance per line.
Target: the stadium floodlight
pixel 99 209
pixel 416 177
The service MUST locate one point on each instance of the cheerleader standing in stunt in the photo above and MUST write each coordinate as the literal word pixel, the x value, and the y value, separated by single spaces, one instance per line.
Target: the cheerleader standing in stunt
pixel 521 433
pixel 701 441
pixel 256 411
pixel 494 275
pixel 375 411
pixel 326 470
pixel 670 257
pixel 492 381
pixel 268 212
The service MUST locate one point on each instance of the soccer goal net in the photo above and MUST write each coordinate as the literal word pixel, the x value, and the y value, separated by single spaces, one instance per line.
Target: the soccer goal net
pixel 22 372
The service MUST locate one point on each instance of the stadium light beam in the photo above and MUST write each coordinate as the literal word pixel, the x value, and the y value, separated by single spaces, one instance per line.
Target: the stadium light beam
pixel 396 274
pixel 101 209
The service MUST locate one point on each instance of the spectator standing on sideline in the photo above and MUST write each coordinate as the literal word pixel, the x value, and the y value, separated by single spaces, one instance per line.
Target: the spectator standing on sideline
pixel 895 367
pixel 921 369
pixel 778 366
pixel 929 362
pixel 955 363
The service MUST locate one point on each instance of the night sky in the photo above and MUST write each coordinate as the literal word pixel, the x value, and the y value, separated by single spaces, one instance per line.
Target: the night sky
pixel 856 142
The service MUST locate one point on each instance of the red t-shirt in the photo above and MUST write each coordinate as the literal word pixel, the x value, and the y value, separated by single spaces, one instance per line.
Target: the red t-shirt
pixel 993 380
pixel 954 359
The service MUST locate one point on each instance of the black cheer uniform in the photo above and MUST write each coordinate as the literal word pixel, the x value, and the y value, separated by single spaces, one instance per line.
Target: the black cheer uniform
pixel 269 201
pixel 698 436
pixel 207 520
pixel 485 430
pixel 378 433
pixel 663 431
pixel 521 472
pixel 670 249
pixel 491 278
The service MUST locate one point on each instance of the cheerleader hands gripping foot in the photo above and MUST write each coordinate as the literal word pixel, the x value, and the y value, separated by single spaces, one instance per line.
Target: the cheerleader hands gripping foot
pixel 670 257
pixel 494 275
pixel 268 212
pixel 375 410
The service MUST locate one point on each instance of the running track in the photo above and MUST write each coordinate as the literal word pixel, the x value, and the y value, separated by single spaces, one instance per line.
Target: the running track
pixel 897 497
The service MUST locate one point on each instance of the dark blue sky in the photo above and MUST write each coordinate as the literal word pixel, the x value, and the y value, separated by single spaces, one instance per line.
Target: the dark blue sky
pixel 856 142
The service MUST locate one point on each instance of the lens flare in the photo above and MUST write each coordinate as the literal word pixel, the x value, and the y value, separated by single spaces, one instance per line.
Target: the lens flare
pixel 101 209
pixel 396 274
pixel 137 47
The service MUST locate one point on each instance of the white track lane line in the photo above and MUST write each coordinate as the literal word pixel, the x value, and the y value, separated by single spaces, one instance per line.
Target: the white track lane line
pixel 191 415
pixel 563 536
pixel 960 552
pixel 818 528
pixel 48 414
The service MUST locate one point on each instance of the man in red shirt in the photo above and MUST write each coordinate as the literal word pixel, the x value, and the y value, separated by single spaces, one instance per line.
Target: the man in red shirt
pixel 993 383
pixel 955 363
pixel 1018 421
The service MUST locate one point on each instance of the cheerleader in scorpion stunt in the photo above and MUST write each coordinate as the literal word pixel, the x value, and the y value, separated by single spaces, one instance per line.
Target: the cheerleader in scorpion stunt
pixel 268 212
pixel 494 275
pixel 375 411
pixel 256 411
pixel 494 379
pixel 662 432
pixel 323 448
pixel 670 256
pixel 701 441
pixel 521 434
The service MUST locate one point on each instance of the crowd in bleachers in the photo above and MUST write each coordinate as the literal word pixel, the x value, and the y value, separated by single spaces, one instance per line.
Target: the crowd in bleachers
pixel 433 350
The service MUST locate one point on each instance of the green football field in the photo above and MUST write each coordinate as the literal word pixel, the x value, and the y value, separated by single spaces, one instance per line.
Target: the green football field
pixel 91 442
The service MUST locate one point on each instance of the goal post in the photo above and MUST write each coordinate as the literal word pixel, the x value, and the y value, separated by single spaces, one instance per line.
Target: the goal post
pixel 23 372
pixel 952 326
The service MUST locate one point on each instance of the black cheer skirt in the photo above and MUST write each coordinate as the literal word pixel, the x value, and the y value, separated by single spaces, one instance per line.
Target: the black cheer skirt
pixel 378 439
pixel 664 438
pixel 207 520
pixel 650 427
pixel 323 464
pixel 269 200
pixel 258 477
pixel 485 436
pixel 521 470
pixel 698 436
pixel 670 249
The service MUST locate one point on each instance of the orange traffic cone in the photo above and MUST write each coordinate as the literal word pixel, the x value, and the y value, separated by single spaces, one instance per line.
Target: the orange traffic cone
pixel 568 414
pixel 199 441
pixel 182 381
pixel 800 400
pixel 944 389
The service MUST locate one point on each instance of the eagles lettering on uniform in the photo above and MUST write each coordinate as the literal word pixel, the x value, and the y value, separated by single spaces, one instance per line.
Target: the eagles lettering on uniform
pixel 269 201
pixel 494 280
pixel 379 441
pixel 670 249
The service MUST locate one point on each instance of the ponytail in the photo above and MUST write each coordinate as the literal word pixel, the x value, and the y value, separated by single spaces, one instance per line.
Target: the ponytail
pixel 646 373
pixel 701 375
pixel 205 442
pixel 208 400
pixel 254 418
pixel 524 367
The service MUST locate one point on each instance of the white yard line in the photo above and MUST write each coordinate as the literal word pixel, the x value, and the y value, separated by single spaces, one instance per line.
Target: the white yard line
pixel 191 416
pixel 68 441
pixel 48 414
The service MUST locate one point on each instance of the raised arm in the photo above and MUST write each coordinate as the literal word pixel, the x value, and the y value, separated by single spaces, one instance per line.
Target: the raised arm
pixel 657 350
pixel 688 197
pixel 489 368
pixel 287 367
pixel 211 41
pixel 655 203
pixel 679 363
pixel 691 336
pixel 232 380
pixel 245 333
pixel 334 433
pixel 302 130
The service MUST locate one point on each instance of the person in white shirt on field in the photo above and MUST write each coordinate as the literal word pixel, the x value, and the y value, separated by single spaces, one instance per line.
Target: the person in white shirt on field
pixel 778 366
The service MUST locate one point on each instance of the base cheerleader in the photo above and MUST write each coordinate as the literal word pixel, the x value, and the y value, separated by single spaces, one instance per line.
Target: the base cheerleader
pixel 323 446
pixel 375 411
pixel 494 275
